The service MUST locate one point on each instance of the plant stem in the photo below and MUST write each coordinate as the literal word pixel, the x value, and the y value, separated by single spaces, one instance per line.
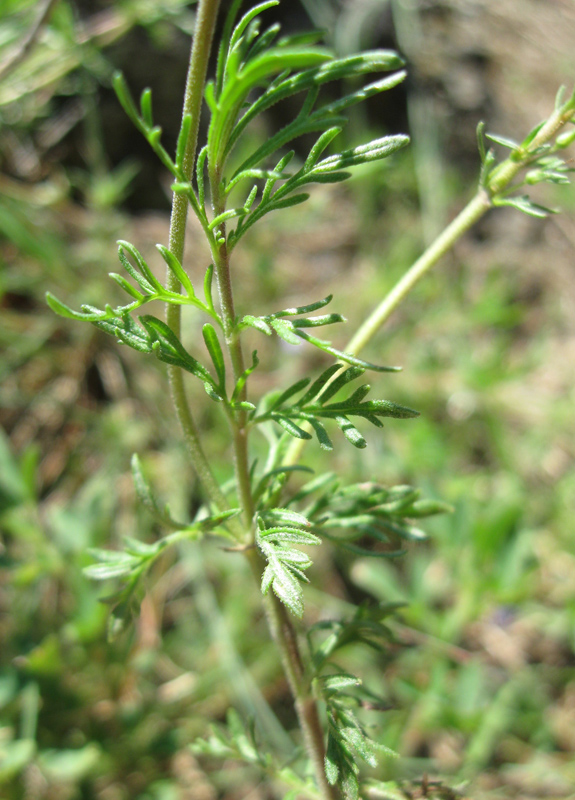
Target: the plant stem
pixel 498 183
pixel 472 212
pixel 234 346
pixel 285 638
pixel 279 622
pixel 199 55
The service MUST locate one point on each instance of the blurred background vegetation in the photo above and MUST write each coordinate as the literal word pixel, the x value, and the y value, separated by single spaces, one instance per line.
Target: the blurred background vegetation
pixel 481 686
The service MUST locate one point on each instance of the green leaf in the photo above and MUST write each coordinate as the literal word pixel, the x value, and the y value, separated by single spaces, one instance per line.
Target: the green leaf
pixel 155 337
pixel 146 497
pixel 241 382
pixel 146 107
pixel 317 322
pixel 287 516
pixel 350 432
pixel 147 273
pixel 348 358
pixel 247 18
pixel 321 144
pixel 502 140
pixel 319 384
pixel 125 98
pixel 174 265
pixel 343 69
pixel 284 330
pixel 346 376
pixel 216 354
pixel 285 564
pixel 321 433
pixel 237 86
pixel 363 154
pixel 208 278
pixel 290 426
pixel 428 508
pixel 256 322
pixel 286 395
pixel 170 349
pixel 288 202
pixel 335 683
pixel 112 565
pixel 525 205
pixel 307 309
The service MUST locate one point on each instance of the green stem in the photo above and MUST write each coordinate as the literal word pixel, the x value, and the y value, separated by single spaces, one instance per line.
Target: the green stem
pixel 279 622
pixel 199 55
pixel 472 212
pixel 234 346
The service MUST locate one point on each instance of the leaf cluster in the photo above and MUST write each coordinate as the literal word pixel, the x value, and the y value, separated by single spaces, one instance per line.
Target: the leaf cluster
pixel 313 407
pixel 350 516
pixel 545 161
pixel 130 564
pixel 292 330
pixel 278 67
pixel 343 694
pixel 150 288
pixel 278 530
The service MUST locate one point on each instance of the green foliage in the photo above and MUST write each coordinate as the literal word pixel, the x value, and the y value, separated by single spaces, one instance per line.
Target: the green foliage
pixel 131 564
pixel 277 531
pixel 255 70
pixel 313 406
pixel 291 331
pixel 545 166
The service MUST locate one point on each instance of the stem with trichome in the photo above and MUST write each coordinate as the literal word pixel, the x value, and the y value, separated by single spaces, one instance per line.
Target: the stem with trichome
pixel 279 622
pixel 199 56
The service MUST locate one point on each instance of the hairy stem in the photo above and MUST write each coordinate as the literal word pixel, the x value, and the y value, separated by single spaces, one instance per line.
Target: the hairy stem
pixel 279 622
pixel 234 346
pixel 285 638
pixel 199 55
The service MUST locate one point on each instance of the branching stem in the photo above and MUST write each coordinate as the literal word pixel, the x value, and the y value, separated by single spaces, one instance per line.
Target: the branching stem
pixel 279 622
pixel 499 182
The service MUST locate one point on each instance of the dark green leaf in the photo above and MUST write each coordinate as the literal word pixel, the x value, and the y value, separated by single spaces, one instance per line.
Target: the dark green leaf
pixel 321 433
pixel 175 266
pixel 216 354
pixel 282 399
pixel 290 426
pixel 307 309
pixel 241 382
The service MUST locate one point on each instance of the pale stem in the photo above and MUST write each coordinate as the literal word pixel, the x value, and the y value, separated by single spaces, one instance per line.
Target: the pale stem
pixel 500 180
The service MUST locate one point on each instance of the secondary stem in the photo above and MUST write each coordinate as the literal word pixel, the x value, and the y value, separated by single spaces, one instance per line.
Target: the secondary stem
pixel 199 55
pixel 500 180
pixel 472 212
